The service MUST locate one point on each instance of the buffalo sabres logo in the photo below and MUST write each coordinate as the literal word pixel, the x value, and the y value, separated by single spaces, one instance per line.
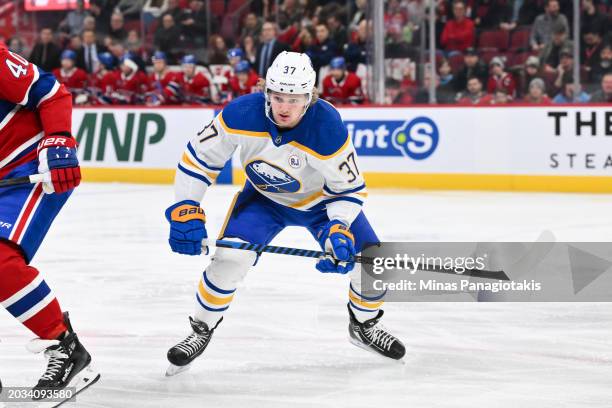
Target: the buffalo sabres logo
pixel 270 178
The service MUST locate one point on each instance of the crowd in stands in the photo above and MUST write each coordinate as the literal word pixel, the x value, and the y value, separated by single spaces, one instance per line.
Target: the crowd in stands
pixel 170 52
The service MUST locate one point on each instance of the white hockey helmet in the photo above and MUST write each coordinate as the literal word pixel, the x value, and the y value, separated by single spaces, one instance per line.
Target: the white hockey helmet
pixel 290 73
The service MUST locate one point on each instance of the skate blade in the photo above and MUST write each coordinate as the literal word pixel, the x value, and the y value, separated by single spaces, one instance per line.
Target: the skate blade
pixel 359 344
pixel 87 377
pixel 173 370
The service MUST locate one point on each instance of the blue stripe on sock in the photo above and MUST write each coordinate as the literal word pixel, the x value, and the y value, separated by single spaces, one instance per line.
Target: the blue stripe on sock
pixel 216 289
pixel 362 310
pixel 366 297
pixel 30 300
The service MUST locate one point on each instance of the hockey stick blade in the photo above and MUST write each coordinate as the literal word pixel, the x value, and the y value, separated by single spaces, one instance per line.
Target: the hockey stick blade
pixel 33 179
pixel 245 246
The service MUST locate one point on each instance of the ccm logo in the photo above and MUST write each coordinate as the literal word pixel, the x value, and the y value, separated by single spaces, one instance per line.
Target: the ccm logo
pixel 54 141
pixel 5 225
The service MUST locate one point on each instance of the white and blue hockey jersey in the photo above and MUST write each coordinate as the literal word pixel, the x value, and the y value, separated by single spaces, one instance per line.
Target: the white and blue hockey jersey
pixel 312 164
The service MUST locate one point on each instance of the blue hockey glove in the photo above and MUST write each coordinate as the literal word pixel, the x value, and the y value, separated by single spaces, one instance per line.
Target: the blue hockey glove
pixel 336 238
pixel 187 228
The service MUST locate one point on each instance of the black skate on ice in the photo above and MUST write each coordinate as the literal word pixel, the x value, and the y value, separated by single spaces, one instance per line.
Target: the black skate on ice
pixel 181 355
pixel 68 366
pixel 373 336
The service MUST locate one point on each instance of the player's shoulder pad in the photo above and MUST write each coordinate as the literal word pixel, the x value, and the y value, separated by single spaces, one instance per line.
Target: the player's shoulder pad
pixel 245 114
pixel 327 134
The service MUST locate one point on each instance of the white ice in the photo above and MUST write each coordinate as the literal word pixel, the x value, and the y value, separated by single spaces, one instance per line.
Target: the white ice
pixel 284 340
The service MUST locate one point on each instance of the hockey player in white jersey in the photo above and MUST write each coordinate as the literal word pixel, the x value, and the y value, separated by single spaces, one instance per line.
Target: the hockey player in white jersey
pixel 302 170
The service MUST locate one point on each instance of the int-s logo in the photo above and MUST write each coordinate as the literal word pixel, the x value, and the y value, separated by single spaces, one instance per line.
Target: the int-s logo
pixel 416 139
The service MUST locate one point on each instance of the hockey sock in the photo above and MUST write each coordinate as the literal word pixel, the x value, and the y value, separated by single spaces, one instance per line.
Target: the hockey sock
pixel 212 301
pixel 364 307
pixel 26 296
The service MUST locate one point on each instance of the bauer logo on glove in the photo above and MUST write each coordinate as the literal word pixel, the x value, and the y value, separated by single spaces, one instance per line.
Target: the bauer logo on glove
pixel 187 229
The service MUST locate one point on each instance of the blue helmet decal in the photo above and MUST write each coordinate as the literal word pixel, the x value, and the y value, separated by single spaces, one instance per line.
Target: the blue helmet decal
pixel 189 59
pixel 337 63
pixel 235 52
pixel 159 55
pixel 270 178
pixel 106 59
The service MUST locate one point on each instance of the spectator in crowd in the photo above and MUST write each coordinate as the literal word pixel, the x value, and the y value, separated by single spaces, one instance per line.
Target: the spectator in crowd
pixel 101 11
pixel 475 94
pixel 355 51
pixel 217 50
pixel 550 54
pixel 304 40
pixel 566 95
pixel 132 84
pixel 542 29
pixel 359 14
pixel 89 23
pixel 458 33
pixel 341 86
pixel 195 87
pixel 134 45
pixel 74 43
pixel 268 49
pixel 604 66
pixel 603 95
pixel 472 66
pixel 395 95
pixel 72 24
pixel 176 10
pixel 152 10
pixel 496 14
pixel 16 44
pixel 536 93
pixel 501 97
pixel 87 54
pixel 446 73
pixel 250 50
pixel 130 9
pixel 324 50
pixel 243 81
pixel 45 54
pixel 530 71
pixel 251 26
pixel 117 48
pixel 117 30
pixel 443 94
pixel 500 79
pixel 75 79
pixel 168 37
pixel 592 45
pixel 566 66
pixel 194 24
pixel 337 30
pixel 591 19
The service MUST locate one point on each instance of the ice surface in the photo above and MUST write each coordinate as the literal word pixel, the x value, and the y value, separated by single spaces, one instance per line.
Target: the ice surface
pixel 284 340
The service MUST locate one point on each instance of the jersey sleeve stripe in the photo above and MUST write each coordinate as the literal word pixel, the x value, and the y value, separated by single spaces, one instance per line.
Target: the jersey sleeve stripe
pixel 194 175
pixel 49 94
pixel 186 159
pixel 202 162
pixel 26 97
pixel 345 198
pixel 351 191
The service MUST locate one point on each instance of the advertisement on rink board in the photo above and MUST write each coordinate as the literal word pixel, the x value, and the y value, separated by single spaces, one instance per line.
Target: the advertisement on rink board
pixel 512 148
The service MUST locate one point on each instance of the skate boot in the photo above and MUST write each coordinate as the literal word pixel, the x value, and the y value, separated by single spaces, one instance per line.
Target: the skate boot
pixel 373 336
pixel 69 364
pixel 181 355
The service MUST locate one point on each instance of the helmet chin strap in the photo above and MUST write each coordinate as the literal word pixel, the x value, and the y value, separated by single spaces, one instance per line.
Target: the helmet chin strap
pixel 270 115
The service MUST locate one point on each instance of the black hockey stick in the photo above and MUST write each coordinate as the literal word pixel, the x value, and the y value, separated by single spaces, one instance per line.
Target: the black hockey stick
pixel 33 179
pixel 476 273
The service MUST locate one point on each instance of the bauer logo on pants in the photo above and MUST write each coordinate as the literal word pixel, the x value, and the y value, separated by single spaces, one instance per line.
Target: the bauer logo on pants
pixel 270 178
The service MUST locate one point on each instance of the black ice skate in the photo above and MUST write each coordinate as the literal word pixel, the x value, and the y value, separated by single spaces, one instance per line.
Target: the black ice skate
pixel 372 336
pixel 69 364
pixel 182 354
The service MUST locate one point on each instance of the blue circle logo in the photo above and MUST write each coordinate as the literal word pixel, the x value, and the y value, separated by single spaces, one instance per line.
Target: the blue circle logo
pixel 416 139
pixel 270 178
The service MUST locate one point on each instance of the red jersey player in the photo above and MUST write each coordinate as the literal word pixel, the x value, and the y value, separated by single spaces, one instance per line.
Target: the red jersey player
pixel 500 79
pixel 244 80
pixel 105 80
pixel 35 137
pixel 132 84
pixel 164 83
pixel 73 78
pixel 195 87
pixel 342 86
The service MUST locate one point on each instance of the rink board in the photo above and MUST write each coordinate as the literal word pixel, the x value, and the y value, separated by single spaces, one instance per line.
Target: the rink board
pixel 554 148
